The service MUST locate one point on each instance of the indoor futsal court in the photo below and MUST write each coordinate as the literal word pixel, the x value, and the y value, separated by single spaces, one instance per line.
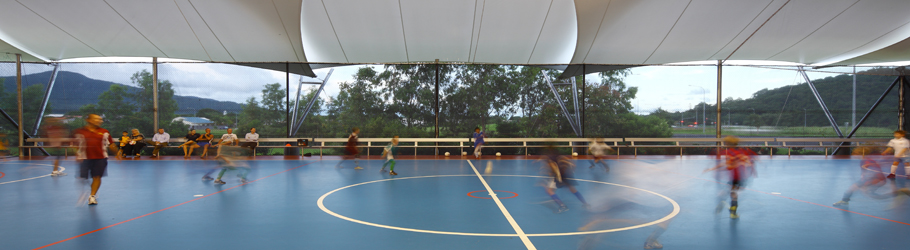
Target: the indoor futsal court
pixel 444 204
pixel 455 124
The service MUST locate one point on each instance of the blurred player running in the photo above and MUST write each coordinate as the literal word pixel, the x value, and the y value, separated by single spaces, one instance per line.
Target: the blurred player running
pixel 599 150
pixel 350 150
pixel 740 166
pixel 92 156
pixel 561 172
pixel 872 177
pixel 389 153
pixel 230 160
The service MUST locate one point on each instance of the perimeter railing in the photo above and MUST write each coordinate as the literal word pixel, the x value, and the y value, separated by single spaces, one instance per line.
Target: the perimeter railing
pixel 462 145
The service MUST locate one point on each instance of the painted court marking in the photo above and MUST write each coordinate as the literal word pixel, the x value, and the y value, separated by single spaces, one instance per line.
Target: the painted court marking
pixel 521 233
pixel 781 196
pixel 471 194
pixel 321 205
pixel 31 178
pixel 167 208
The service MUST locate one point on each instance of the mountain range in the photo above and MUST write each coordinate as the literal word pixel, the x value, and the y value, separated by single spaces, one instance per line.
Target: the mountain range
pixel 73 90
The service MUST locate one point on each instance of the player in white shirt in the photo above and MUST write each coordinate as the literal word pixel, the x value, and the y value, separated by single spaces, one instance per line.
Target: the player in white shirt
pixel 228 139
pixel 599 150
pixel 900 147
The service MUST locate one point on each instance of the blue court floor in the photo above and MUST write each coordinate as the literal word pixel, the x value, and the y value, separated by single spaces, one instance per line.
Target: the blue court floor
pixel 445 204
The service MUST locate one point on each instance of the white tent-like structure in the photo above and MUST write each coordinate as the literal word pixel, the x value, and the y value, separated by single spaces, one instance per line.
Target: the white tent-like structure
pixel 622 32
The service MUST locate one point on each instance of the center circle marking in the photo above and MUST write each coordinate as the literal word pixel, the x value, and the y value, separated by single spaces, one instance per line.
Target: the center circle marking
pixel 320 203
pixel 471 194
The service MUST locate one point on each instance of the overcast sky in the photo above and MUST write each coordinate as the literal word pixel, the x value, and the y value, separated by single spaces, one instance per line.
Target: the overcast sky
pixel 672 88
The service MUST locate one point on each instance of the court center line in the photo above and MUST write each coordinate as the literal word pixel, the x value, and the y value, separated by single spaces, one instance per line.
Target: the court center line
pixel 521 233
pixel 167 208
pixel 781 196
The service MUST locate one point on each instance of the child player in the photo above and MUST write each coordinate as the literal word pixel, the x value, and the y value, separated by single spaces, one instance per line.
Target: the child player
pixel 389 152
pixel 739 164
pixel 478 141
pixel 872 177
pixel 561 175
pixel 899 145
pixel 124 138
pixel 350 149
pixel 598 149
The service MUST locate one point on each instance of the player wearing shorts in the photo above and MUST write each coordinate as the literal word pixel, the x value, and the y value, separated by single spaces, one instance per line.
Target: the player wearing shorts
pixel 872 177
pixel 350 150
pixel 230 161
pixel 899 145
pixel 739 165
pixel 389 153
pixel 205 141
pixel 478 141
pixel 598 150
pixel 561 175
pixel 190 143
pixel 92 155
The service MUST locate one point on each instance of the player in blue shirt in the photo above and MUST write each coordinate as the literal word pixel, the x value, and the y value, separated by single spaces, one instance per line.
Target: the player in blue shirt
pixel 478 141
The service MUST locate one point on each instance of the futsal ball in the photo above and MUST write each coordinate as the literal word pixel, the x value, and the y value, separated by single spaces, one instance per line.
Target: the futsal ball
pixel 447 153
pixel 464 153
pixel 498 154
pixel 574 153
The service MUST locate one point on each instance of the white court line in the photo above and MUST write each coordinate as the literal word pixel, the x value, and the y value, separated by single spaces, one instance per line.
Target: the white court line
pixel 521 233
pixel 36 177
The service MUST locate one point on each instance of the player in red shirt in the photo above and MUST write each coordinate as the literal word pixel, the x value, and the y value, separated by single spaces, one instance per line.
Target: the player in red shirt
pixel 350 150
pixel 872 177
pixel 740 166
pixel 92 156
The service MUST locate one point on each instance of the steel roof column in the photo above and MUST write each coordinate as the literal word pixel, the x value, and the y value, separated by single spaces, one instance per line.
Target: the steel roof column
pixel 155 92
pixel 720 67
pixel 19 101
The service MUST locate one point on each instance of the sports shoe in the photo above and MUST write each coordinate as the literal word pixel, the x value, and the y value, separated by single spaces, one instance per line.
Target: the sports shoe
pixel 207 178
pixel 891 176
pixel 734 216
pixel 92 200
pixel 219 182
pixel 562 208
pixel 653 245
pixel 586 206
pixel 393 173
pixel 841 203
pixel 55 173
pixel 244 180
pixel 358 168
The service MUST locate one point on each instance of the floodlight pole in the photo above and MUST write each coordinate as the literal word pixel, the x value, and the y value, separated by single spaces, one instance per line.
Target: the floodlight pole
pixel 853 121
pixel 19 101
pixel 720 71
pixel 583 95
pixel 155 92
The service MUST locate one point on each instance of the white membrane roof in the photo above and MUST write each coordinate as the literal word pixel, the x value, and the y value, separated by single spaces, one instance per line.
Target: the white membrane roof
pixel 620 32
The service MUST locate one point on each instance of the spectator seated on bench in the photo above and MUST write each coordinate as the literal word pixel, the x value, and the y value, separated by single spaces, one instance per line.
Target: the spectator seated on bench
pixel 160 140
pixel 252 141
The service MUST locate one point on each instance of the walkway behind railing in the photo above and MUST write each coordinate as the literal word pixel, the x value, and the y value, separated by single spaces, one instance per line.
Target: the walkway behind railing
pixel 461 144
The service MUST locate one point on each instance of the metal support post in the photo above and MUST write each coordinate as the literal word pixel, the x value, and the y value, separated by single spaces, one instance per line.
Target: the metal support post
pixel 155 92
pixel 312 101
pixel 16 124
pixel 287 97
pixel 584 84
pixel 900 104
pixel 436 109
pixel 868 113
pixel 562 105
pixel 821 102
pixel 19 102
pixel 720 67
pixel 47 96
